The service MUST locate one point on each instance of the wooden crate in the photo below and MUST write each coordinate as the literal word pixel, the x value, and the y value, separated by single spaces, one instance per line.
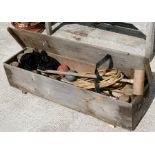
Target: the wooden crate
pixel 81 57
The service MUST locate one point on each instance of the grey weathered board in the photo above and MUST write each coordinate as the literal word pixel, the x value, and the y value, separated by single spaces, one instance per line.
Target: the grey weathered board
pixel 126 39
pixel 94 104
pixel 111 110
pixel 84 52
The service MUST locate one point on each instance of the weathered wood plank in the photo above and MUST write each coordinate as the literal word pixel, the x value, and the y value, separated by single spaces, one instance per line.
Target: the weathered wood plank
pixel 102 38
pixel 78 50
pixel 74 64
pixel 139 107
pixel 92 54
pixel 142 44
pixel 149 50
pixel 148 71
pixel 48 26
pixel 114 111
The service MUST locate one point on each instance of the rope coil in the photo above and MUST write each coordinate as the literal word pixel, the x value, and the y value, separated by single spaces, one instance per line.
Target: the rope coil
pixel 111 79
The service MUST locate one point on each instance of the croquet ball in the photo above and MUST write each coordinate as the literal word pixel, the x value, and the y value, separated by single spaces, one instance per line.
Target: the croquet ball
pixel 63 68
pixel 71 78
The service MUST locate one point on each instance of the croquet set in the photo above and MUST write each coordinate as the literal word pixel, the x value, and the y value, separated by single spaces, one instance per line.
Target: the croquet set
pixel 105 83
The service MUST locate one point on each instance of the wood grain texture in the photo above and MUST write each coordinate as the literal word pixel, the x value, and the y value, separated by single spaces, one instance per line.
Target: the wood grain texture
pixel 114 111
pixel 105 108
pixel 77 50
pixel 140 106
pixel 148 71
pixel 148 28
pixel 48 26
pixel 102 38
pixel 74 64
pixel 109 39
pixel 118 113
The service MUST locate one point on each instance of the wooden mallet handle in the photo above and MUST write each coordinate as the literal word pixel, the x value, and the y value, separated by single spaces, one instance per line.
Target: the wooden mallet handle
pixel 83 75
pixel 138 85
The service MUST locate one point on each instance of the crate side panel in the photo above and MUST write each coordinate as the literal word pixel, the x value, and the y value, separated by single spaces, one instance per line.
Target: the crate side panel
pixel 113 111
pixel 140 107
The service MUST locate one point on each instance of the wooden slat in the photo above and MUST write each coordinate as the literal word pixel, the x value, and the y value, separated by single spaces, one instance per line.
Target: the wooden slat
pixel 74 64
pixel 148 29
pixel 139 107
pixel 48 26
pixel 77 50
pixel 111 110
pixel 115 41
pixel 148 71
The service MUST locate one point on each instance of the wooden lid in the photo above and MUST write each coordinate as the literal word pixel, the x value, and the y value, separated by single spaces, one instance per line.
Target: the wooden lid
pixel 91 45
pixel 84 49
pixel 148 29
pixel 138 41
pixel 78 49
pixel 108 40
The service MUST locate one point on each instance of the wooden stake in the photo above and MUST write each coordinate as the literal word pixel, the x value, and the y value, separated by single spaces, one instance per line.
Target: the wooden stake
pixel 83 75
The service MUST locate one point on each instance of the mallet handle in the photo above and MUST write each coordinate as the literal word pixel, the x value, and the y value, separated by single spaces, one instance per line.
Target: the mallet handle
pixel 138 86
pixel 68 73
pixel 84 75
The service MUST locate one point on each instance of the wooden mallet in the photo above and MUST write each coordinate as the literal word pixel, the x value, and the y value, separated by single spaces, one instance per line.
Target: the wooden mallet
pixel 138 81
